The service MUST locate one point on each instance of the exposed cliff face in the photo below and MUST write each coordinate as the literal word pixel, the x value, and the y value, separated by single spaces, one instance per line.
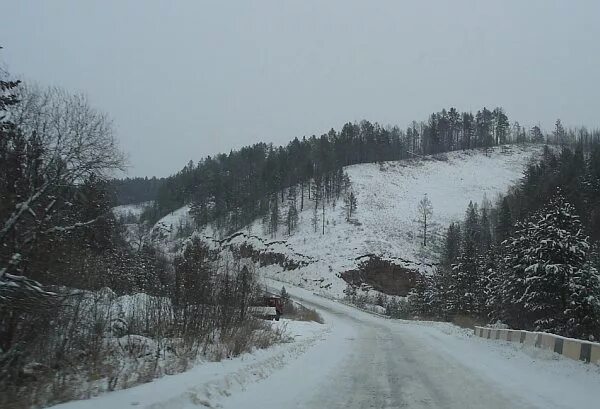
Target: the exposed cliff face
pixel 381 275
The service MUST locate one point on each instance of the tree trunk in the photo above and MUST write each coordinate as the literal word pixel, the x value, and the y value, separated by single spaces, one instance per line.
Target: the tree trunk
pixel 323 200
pixel 425 231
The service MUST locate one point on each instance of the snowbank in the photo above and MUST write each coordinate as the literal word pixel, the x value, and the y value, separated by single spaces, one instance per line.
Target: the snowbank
pixel 208 383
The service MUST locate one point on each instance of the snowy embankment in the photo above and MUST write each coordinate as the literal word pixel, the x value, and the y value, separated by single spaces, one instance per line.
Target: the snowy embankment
pixel 208 383
pixel 386 220
pixel 359 360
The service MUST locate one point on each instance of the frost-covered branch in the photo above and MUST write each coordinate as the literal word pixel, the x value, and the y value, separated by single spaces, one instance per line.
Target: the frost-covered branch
pixel 62 229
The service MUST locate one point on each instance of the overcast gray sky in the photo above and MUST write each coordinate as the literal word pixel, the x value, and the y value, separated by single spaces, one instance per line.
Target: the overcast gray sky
pixel 183 79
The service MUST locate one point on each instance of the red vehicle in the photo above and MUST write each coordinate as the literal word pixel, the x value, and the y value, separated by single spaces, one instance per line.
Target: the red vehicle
pixel 269 307
pixel 275 301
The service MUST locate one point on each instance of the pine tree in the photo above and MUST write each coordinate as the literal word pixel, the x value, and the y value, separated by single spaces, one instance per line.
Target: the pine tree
pixel 314 220
pixel 484 128
pixel 292 211
pixel 468 129
pixel 501 126
pixel 274 216
pixel 559 134
pixel 323 221
pixel 536 135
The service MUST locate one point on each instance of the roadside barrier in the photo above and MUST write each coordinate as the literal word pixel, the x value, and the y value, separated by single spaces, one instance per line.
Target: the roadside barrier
pixel 569 347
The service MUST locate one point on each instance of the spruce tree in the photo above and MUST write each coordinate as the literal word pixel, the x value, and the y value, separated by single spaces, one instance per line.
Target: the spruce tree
pixel 559 251
pixel 464 284
pixel 485 231
pixel 542 263
pixel 284 294
pixel 583 311
pixel 418 297
pixel 440 300
pixel 452 245
pixel 504 221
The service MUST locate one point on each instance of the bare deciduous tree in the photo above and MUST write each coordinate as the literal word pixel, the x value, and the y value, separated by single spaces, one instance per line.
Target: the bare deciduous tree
pixel 425 211
pixel 350 203
pixel 55 141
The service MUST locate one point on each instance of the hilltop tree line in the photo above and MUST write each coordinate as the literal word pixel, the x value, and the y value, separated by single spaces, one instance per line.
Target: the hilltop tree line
pixel 236 188
pixel 531 261
pixel 135 190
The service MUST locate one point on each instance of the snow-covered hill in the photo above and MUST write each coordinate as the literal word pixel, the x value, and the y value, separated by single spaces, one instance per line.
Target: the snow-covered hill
pixel 386 220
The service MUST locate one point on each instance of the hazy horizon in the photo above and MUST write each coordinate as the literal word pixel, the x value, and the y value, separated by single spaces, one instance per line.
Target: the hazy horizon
pixel 189 79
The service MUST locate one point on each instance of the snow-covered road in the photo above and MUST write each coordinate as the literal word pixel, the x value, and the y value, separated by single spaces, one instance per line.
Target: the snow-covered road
pixel 372 362
pixel 358 360
pixel 378 364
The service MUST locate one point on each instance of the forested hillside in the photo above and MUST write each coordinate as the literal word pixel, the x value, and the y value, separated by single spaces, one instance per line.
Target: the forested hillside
pixel 376 214
pixel 234 189
pixel 291 192
pixel 531 259
pixel 135 190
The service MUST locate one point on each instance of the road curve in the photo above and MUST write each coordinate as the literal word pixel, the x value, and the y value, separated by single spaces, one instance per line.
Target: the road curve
pixel 358 360
pixel 372 362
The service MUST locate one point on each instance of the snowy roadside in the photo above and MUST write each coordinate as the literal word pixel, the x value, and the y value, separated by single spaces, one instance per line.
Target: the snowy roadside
pixel 207 383
pixel 533 377
pixel 537 376
pixel 341 362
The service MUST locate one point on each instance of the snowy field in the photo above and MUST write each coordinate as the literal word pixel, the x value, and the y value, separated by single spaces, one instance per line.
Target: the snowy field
pixel 358 360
